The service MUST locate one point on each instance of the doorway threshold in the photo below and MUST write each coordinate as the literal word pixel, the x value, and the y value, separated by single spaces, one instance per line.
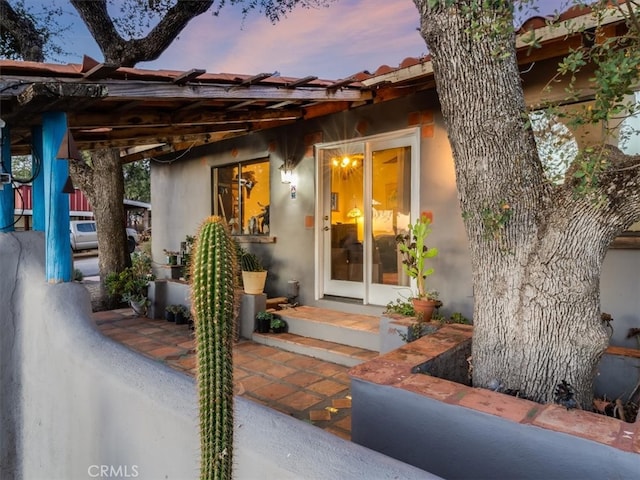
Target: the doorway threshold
pixel 348 305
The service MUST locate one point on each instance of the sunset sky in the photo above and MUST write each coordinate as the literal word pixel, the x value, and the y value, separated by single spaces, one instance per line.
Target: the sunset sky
pixel 331 43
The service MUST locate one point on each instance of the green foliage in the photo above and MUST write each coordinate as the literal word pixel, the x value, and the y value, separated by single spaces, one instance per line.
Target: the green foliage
pixel 213 278
pixel 77 275
pixel 455 317
pixel 249 262
pixel 416 330
pixel 401 306
pixel 264 315
pixel 277 322
pixel 132 283
pixel 613 60
pixel 415 253
pixel 37 24
pixel 495 219
pixel 137 181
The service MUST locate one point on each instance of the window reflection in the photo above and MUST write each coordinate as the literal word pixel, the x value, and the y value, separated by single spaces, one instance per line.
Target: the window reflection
pixel 242 197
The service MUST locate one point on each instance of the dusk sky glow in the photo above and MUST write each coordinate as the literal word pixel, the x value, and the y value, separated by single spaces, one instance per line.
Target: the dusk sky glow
pixel 331 43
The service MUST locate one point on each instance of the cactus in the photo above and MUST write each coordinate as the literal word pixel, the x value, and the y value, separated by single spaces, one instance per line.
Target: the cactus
pixel 213 274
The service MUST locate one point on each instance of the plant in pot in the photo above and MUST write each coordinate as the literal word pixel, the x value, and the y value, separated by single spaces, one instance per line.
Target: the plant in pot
pixel 172 257
pixel 132 284
pixel 170 312
pixel 254 275
pixel 182 315
pixel 415 253
pixel 278 325
pixel 263 321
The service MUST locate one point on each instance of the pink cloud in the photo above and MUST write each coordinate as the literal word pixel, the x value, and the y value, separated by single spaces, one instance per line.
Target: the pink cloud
pixel 332 42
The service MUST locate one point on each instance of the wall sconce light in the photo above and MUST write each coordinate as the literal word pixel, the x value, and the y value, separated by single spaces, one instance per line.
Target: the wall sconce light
pixel 286 171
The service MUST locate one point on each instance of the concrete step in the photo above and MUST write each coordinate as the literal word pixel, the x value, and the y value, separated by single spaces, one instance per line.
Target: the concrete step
pixel 312 347
pixel 361 331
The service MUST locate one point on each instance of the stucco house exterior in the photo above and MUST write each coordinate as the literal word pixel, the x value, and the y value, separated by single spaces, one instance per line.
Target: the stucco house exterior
pixel 362 157
pixel 356 178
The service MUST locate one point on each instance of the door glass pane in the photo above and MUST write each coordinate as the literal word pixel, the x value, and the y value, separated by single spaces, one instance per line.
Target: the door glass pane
pixel 346 215
pixel 390 209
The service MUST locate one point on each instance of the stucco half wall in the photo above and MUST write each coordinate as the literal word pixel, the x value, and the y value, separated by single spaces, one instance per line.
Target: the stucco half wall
pixel 76 405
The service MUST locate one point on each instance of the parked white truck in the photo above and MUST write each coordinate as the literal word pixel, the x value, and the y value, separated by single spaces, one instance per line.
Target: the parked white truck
pixel 84 235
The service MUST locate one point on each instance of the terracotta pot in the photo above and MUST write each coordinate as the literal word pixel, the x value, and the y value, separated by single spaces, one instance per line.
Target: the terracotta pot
pixel 424 307
pixel 253 282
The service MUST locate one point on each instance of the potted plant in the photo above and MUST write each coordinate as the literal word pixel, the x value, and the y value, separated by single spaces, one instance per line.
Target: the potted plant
pixel 278 325
pixel 415 254
pixel 170 313
pixel 172 257
pixel 254 275
pixel 263 321
pixel 182 315
pixel 132 284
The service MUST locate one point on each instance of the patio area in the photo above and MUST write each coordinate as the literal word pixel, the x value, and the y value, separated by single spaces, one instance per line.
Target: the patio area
pixel 303 387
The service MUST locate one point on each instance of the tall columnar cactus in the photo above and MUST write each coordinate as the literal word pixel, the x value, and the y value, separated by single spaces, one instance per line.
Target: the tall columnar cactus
pixel 213 273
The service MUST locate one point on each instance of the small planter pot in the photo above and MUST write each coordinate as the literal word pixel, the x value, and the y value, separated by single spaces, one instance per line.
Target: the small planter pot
pixel 140 308
pixel 181 318
pixel 279 329
pixel 263 325
pixel 253 282
pixel 170 316
pixel 424 308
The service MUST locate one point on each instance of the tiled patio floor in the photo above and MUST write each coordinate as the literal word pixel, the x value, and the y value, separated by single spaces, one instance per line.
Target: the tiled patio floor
pixel 306 388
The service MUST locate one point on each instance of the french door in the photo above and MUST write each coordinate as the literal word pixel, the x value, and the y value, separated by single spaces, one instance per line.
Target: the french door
pixel 368 194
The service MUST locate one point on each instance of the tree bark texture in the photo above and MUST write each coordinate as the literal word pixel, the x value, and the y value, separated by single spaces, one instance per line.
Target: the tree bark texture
pixel 103 184
pixel 536 248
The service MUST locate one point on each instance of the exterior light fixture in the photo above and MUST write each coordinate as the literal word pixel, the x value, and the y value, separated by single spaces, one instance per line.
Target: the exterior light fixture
pixel 286 171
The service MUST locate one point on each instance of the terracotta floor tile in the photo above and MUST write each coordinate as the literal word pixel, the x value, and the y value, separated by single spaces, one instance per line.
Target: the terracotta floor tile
pixel 329 369
pixel 256 364
pixel 165 351
pixel 279 379
pixel 304 363
pixel 302 379
pixel 265 351
pixel 339 433
pixel 344 423
pixel 274 391
pixel 253 382
pixel 341 403
pixel 186 363
pixel 327 387
pixel 279 371
pixel 317 415
pixel 301 400
pixel 283 356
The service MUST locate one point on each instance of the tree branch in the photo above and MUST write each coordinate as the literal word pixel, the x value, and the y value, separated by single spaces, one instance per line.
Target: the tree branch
pixel 28 42
pixel 129 52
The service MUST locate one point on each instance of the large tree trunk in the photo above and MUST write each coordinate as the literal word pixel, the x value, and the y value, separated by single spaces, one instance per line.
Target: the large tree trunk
pixel 103 184
pixel 536 259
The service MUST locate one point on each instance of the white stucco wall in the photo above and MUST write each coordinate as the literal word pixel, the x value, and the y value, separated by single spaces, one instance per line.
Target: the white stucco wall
pixel 76 405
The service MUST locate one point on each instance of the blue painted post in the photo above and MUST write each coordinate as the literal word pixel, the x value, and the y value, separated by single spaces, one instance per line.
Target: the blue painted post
pixel 37 185
pixel 58 261
pixel 6 194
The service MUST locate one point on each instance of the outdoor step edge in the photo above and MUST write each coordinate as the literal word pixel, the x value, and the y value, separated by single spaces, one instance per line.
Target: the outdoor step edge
pixel 308 350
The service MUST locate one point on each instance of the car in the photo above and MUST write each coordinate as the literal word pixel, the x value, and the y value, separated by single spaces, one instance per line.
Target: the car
pixel 84 235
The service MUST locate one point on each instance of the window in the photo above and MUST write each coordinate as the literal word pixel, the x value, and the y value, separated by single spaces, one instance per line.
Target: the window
pixel 242 193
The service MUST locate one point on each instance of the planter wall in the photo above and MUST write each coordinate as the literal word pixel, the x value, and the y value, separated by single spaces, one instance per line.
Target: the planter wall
pixel 457 431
